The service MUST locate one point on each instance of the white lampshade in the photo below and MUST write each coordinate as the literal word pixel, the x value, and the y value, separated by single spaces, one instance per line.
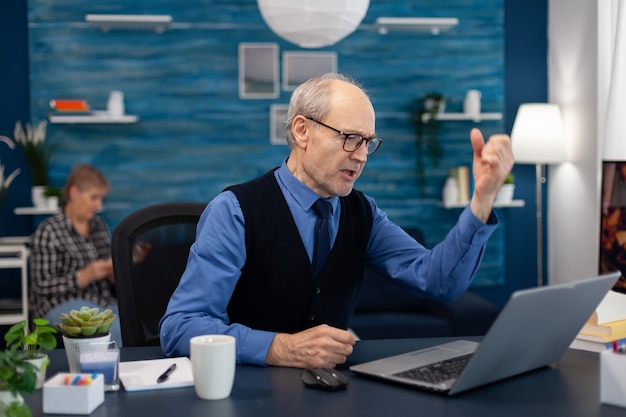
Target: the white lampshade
pixel 537 136
pixel 313 23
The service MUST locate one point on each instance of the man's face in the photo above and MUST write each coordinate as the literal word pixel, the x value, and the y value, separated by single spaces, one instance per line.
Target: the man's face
pixel 326 167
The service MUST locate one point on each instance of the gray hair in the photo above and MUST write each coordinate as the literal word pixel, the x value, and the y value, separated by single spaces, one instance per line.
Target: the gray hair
pixel 312 98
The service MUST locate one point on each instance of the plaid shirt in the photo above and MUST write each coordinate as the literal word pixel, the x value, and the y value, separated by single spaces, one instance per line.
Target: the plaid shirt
pixel 57 253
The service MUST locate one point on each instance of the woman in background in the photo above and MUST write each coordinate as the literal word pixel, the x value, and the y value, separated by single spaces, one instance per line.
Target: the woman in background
pixel 70 262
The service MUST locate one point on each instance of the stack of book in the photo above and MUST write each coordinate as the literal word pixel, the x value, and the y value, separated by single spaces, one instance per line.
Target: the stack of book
pixel 69 107
pixel 605 326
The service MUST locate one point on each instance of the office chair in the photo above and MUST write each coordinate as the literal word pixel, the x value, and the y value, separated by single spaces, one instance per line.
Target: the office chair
pixel 150 248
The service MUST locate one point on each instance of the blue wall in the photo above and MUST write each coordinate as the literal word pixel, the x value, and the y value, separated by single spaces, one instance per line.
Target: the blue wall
pixel 182 84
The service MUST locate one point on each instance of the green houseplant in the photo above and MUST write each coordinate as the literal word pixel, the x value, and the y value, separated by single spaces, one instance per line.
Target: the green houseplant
pixel 32 140
pixel 86 325
pixel 86 322
pixel 427 129
pixel 17 377
pixel 33 341
pixel 5 182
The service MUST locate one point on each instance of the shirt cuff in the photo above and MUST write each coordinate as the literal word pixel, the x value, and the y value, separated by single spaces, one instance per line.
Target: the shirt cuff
pixel 474 230
pixel 253 349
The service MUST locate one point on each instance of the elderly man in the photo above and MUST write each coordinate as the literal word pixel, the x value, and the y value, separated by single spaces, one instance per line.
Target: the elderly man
pixel 255 271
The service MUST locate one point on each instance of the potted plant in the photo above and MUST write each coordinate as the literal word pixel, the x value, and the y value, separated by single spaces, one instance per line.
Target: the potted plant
pixel 5 182
pixel 33 341
pixel 86 325
pixel 427 128
pixel 17 377
pixel 505 195
pixel 32 140
pixel 53 196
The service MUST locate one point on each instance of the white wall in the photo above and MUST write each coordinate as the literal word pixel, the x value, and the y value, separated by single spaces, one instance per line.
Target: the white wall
pixel 574 187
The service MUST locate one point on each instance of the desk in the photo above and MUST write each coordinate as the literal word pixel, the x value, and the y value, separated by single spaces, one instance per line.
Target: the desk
pixel 569 389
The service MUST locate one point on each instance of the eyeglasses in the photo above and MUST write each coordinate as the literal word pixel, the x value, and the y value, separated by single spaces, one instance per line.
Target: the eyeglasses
pixel 352 141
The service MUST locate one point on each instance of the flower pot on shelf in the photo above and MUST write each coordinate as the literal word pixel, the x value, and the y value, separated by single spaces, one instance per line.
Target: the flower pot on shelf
pixel 505 195
pixel 38 197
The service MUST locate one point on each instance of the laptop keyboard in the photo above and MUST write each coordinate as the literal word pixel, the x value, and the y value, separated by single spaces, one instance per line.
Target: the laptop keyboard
pixel 437 372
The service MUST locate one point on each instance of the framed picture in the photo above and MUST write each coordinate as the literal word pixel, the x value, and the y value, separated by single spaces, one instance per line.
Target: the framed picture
pixel 299 66
pixel 613 222
pixel 258 70
pixel 278 130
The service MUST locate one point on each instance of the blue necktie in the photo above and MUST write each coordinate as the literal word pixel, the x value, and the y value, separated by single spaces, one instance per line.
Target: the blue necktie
pixel 322 235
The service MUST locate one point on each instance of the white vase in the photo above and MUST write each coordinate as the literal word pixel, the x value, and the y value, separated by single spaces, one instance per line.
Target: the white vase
pixel 505 195
pixel 70 348
pixel 450 193
pixel 41 363
pixel 6 398
pixel 471 104
pixel 52 202
pixel 36 195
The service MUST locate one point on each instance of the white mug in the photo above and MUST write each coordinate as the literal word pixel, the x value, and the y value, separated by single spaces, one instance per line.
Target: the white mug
pixel 213 365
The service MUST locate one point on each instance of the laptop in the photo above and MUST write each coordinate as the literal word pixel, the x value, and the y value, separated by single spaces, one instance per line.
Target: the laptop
pixel 534 329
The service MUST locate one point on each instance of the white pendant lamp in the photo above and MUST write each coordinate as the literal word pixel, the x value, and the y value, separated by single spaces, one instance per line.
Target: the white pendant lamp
pixel 313 23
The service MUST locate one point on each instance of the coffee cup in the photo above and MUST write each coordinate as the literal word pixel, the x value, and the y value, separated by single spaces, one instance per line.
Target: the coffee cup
pixel 213 365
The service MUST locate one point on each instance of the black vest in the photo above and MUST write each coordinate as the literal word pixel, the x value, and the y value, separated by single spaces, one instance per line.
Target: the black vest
pixel 277 290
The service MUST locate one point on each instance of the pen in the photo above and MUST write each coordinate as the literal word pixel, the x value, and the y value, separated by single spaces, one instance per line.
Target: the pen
pixel 163 377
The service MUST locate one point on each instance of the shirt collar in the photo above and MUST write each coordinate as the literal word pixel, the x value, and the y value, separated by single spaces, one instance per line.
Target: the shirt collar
pixel 301 193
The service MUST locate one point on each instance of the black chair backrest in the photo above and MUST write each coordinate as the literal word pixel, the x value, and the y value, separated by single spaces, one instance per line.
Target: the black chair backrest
pixel 150 248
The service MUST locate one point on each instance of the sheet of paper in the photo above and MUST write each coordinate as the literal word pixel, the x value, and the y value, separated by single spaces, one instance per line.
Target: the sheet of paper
pixel 143 375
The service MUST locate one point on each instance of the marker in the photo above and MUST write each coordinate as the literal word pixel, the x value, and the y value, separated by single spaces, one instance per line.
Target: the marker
pixel 75 381
pixel 163 377
pixel 66 380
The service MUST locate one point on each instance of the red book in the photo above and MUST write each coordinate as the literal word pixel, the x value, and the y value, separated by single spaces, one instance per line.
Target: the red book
pixel 69 105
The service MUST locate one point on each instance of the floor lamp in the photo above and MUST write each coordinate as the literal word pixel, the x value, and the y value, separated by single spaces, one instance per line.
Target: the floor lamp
pixel 538 138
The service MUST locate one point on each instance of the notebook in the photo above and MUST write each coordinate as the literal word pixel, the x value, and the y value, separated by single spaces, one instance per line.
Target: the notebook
pixel 143 375
pixel 534 329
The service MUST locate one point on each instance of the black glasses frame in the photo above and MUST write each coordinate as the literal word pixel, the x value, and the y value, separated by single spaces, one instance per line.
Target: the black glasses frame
pixel 372 144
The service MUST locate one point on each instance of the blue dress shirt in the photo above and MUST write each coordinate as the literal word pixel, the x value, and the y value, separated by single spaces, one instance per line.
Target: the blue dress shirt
pixel 198 306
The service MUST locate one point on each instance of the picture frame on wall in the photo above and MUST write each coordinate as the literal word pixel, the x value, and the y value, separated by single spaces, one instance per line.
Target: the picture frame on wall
pixel 299 66
pixel 278 129
pixel 613 221
pixel 258 71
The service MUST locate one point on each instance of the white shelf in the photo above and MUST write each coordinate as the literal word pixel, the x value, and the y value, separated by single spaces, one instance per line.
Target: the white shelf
pixel 464 116
pixel 16 257
pixel 512 204
pixel 31 211
pixel 94 117
pixel 106 22
pixel 434 25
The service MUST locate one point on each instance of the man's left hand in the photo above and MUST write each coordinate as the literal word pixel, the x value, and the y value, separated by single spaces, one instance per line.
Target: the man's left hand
pixel 492 162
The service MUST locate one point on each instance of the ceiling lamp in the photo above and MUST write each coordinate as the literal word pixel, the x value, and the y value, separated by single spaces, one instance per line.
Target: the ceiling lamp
pixel 313 23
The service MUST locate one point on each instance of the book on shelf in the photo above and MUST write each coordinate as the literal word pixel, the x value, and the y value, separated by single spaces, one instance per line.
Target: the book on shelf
pixel 592 346
pixel 613 328
pixel 612 308
pixel 69 106
pixel 601 339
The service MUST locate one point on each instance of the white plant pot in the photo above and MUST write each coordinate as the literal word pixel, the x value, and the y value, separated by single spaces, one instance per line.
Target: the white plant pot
pixel 70 348
pixel 36 195
pixel 6 398
pixel 41 363
pixel 505 195
pixel 52 202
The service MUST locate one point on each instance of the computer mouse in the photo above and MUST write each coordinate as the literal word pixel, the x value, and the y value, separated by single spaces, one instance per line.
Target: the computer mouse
pixel 324 379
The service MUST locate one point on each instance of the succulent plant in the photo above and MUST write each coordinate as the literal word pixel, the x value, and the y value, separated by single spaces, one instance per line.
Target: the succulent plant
pixel 86 322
